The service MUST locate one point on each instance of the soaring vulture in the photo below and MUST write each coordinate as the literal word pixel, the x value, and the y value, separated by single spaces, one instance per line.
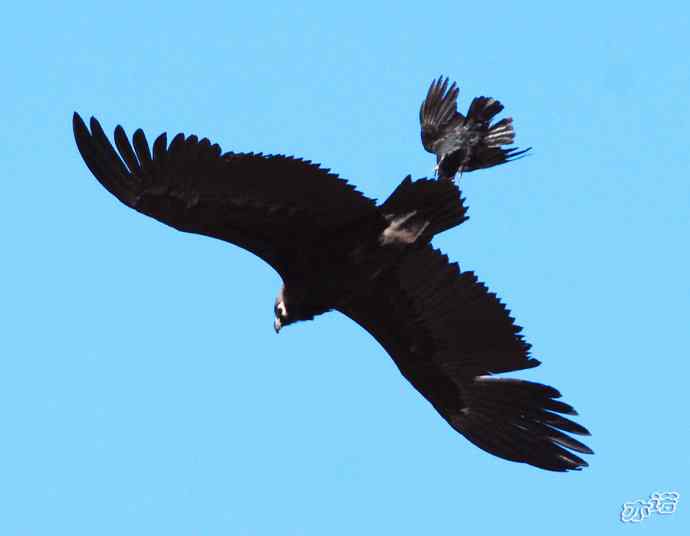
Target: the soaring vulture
pixel 464 143
pixel 335 249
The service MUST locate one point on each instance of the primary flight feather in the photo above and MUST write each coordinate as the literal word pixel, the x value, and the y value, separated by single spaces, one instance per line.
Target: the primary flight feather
pixel 335 249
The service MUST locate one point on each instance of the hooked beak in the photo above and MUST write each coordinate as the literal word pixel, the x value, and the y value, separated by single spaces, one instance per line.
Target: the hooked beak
pixel 277 325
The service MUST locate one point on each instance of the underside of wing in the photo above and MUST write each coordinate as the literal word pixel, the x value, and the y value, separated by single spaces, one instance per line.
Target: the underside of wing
pixel 270 205
pixel 439 112
pixel 448 335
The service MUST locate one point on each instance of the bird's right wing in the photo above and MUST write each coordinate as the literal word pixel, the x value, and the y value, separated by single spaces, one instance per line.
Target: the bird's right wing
pixel 272 206
pixel 439 112
pixel 448 335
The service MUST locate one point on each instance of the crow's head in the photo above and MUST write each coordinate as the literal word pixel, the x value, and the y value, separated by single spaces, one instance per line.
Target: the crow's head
pixel 453 162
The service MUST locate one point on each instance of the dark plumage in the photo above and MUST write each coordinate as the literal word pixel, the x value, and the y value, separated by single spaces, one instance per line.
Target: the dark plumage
pixel 464 143
pixel 336 249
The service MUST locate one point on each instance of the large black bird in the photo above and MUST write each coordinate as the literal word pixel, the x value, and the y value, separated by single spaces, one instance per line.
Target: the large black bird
pixel 464 143
pixel 335 249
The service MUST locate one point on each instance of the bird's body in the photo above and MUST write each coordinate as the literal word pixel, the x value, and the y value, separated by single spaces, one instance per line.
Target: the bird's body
pixel 342 264
pixel 335 249
pixel 464 143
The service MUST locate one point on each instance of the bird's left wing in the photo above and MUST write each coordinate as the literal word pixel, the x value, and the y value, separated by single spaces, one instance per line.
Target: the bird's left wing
pixel 272 206
pixel 438 113
pixel 448 334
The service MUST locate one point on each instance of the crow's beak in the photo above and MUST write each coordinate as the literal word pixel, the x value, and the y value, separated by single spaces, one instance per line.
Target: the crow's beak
pixel 277 325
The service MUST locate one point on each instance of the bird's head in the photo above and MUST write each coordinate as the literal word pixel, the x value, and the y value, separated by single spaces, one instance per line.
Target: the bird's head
pixel 292 305
pixel 280 310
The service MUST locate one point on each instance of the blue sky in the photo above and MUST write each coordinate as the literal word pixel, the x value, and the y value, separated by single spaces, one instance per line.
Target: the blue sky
pixel 142 388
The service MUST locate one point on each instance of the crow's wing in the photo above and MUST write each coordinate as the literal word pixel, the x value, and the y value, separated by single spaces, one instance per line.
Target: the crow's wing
pixel 270 205
pixel 447 334
pixel 438 113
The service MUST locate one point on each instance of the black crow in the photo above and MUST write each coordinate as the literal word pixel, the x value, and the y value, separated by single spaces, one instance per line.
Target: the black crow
pixel 464 143
pixel 335 249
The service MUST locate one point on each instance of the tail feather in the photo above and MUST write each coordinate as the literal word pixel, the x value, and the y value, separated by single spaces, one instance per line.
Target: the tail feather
pixel 519 420
pixel 422 209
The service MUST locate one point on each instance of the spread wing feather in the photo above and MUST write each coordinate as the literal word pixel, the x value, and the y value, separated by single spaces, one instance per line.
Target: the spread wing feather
pixel 272 206
pixel 438 113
